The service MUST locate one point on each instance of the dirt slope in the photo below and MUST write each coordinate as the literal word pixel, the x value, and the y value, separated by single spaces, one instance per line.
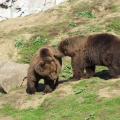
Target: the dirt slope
pixel 52 15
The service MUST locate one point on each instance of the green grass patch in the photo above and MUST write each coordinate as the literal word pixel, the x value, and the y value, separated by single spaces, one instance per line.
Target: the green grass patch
pixel 30 48
pixel 114 26
pixel 20 43
pixel 83 104
pixel 71 108
pixel 55 44
pixel 85 13
pixel 72 24
pixel 114 8
pixel 25 114
pixel 90 29
pixel 66 71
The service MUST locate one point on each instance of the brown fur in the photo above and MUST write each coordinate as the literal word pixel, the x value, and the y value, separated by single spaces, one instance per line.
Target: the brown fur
pixel 43 65
pixel 86 52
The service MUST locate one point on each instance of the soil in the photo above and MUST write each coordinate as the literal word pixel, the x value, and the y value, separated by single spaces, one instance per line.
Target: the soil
pixel 18 98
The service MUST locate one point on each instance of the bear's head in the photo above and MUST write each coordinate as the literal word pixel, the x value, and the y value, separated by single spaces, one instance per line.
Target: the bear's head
pixel 68 46
pixel 48 66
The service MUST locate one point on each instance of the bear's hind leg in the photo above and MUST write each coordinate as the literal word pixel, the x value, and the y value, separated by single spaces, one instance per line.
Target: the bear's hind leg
pixel 49 86
pixel 114 71
pixel 47 89
pixel 90 71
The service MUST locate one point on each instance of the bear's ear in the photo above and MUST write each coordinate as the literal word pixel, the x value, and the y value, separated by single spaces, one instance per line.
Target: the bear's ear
pixel 45 52
pixel 42 63
pixel 65 42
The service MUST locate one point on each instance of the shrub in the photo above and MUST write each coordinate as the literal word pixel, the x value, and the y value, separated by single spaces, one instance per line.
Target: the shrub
pixel 85 13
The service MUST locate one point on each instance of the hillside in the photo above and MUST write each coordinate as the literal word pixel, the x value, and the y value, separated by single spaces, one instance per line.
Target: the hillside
pixel 95 98
pixel 59 22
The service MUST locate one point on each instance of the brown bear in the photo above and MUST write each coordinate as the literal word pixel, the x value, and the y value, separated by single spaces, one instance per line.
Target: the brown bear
pixel 44 65
pixel 88 51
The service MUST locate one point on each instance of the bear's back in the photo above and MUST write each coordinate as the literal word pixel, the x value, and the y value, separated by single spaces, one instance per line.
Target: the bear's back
pixel 102 40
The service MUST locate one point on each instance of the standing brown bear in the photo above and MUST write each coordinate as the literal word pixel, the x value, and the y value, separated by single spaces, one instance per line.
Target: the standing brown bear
pixel 88 51
pixel 44 65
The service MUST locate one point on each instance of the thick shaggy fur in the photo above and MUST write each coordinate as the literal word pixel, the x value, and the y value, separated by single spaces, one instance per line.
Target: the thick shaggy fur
pixel 44 65
pixel 88 51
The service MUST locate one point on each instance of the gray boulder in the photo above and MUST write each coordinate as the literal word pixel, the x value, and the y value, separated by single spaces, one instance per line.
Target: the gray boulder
pixel 11 75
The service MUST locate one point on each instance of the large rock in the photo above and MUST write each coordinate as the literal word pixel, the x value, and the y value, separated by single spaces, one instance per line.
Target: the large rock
pixel 17 8
pixel 11 75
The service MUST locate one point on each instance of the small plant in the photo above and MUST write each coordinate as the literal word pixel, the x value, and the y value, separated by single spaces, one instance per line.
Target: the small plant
pixel 55 44
pixel 85 13
pixel 78 91
pixel 114 25
pixel 39 40
pixel 20 43
pixel 72 24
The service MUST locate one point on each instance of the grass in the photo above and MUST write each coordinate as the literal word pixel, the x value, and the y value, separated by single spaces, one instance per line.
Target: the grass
pixel 114 26
pixel 72 24
pixel 30 48
pixel 91 29
pixel 84 103
pixel 27 114
pixel 77 32
pixel 55 44
pixel 20 43
pixel 85 13
pixel 89 108
pixel 66 71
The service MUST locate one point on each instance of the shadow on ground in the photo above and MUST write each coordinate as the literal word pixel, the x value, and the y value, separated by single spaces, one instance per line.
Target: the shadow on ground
pixel 40 87
pixel 104 74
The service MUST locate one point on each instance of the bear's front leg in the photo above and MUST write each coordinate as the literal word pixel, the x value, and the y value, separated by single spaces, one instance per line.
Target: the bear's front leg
pixel 77 69
pixel 31 87
pixel 32 81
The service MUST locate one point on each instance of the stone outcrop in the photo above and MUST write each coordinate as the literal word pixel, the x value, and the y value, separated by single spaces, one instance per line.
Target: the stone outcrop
pixel 12 75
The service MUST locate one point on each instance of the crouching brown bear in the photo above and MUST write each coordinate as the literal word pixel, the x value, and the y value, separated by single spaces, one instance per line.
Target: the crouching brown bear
pixel 44 65
pixel 88 51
